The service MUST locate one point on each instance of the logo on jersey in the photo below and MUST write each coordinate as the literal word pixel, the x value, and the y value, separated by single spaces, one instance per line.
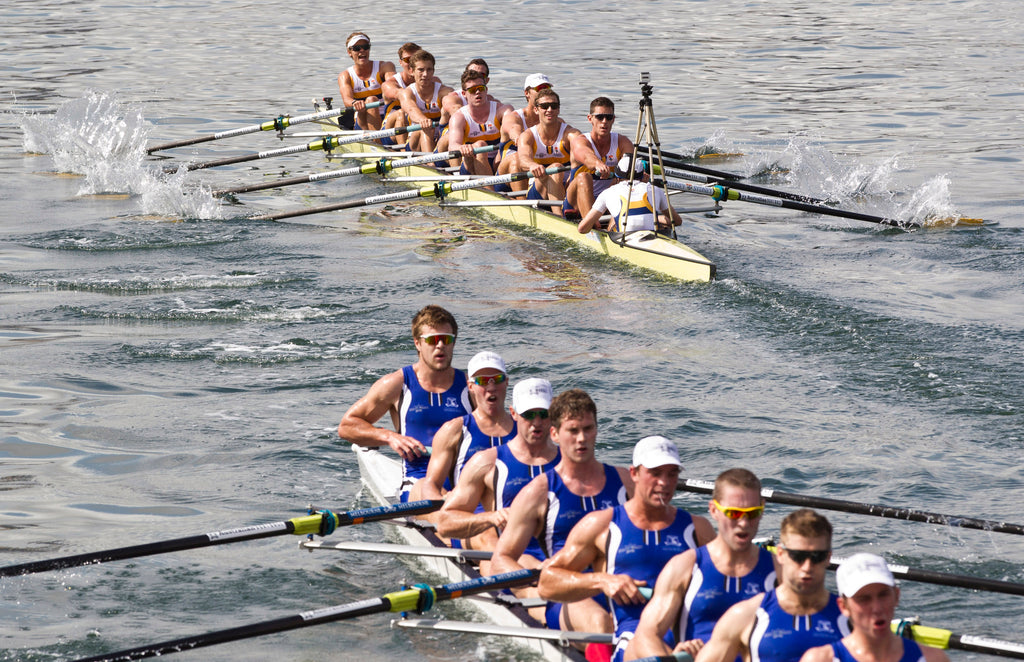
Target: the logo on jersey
pixel 450 402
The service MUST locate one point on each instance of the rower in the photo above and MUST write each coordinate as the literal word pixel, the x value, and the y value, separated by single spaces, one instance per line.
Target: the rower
pixel 594 156
pixel 421 102
pixel 393 115
pixel 546 144
pixel 551 504
pixel 476 509
pixel 868 596
pixel 697 586
pixel 459 439
pixel 781 624
pixel 627 546
pixel 647 207
pixel 476 124
pixel 420 397
pixel 361 83
pixel 514 123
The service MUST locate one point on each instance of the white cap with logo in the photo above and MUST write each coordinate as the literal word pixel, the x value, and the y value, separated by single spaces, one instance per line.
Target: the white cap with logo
pixel 860 570
pixel 485 360
pixel 356 38
pixel 530 394
pixel 535 80
pixel 654 452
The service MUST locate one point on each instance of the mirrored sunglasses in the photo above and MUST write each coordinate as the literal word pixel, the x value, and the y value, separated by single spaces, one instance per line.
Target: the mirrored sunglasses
pixel 487 380
pixel 739 513
pixel 534 413
pixel 799 556
pixel 443 338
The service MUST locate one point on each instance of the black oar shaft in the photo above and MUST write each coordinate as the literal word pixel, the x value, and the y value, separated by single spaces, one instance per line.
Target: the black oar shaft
pixel 740 186
pixel 707 487
pixel 301 526
pixel 418 598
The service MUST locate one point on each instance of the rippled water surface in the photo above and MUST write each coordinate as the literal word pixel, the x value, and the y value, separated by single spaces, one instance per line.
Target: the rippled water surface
pixel 169 367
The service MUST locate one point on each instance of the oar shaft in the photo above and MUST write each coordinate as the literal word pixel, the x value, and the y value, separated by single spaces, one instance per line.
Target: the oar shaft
pixel 279 123
pixel 417 598
pixel 316 523
pixel 945 639
pixel 707 487
pixel 740 186
pixel 326 143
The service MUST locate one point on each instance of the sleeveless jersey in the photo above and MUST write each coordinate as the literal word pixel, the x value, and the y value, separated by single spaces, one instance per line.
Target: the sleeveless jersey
pixel 474 440
pixel 366 87
pixel 558 152
pixel 911 652
pixel 511 476
pixel 640 211
pixel 610 158
pixel 431 107
pixel 422 413
pixel 489 131
pixel 779 636
pixel 711 593
pixel 642 554
pixel 566 508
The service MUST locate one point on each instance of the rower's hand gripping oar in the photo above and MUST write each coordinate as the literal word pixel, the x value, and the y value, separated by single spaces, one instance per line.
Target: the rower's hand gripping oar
pixel 276 124
pixel 326 144
pixel 707 487
pixel 419 598
pixel 439 190
pixel 381 167
pixel 322 523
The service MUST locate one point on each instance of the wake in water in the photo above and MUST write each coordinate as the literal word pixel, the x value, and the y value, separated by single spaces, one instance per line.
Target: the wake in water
pixel 105 140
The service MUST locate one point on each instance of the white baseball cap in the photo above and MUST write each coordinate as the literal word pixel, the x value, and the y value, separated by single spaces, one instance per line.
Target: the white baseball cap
pixel 535 80
pixel 530 394
pixel 654 452
pixel 485 360
pixel 860 570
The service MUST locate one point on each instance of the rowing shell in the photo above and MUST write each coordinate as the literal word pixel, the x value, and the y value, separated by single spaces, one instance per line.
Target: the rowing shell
pixel 382 476
pixel 644 249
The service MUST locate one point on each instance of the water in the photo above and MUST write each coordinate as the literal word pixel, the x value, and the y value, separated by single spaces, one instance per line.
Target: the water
pixel 170 367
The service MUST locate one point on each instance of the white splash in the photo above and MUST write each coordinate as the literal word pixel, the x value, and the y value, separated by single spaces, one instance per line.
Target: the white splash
pixel 104 139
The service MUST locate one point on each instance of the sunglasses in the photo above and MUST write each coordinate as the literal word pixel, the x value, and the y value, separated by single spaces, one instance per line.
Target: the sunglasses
pixel 405 60
pixel 550 105
pixel 534 413
pixel 605 117
pixel 799 556
pixel 739 513
pixel 443 338
pixel 476 88
pixel 360 47
pixel 487 380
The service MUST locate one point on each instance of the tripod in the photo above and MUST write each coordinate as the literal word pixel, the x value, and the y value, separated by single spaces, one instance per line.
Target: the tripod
pixel 647 133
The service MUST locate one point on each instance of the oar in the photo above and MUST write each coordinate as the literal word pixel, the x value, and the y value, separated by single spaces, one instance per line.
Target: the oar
pixel 381 167
pixel 934 577
pixel 945 639
pixel 327 143
pixel 276 124
pixel 727 192
pixel 440 190
pixel 419 598
pixel 740 186
pixel 322 523
pixel 707 487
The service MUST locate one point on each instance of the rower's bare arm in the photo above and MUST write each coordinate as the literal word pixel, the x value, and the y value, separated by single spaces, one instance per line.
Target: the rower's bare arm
pixel 511 125
pixel 411 109
pixel 443 451
pixel 357 425
pixel 731 633
pixel 458 519
pixel 457 131
pixel 934 654
pixel 583 154
pixel 588 222
pixel 818 654
pixel 659 614
pixel 563 578
pixel 525 517
pixel 345 88
pixel 526 149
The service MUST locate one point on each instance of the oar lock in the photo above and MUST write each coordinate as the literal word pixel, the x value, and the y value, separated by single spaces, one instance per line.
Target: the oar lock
pixel 328 522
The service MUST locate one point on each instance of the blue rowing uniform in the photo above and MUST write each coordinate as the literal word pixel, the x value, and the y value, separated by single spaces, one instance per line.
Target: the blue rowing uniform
pixel 422 413
pixel 779 636
pixel 711 593
pixel 473 441
pixel 566 508
pixel 510 476
pixel 911 652
pixel 641 554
